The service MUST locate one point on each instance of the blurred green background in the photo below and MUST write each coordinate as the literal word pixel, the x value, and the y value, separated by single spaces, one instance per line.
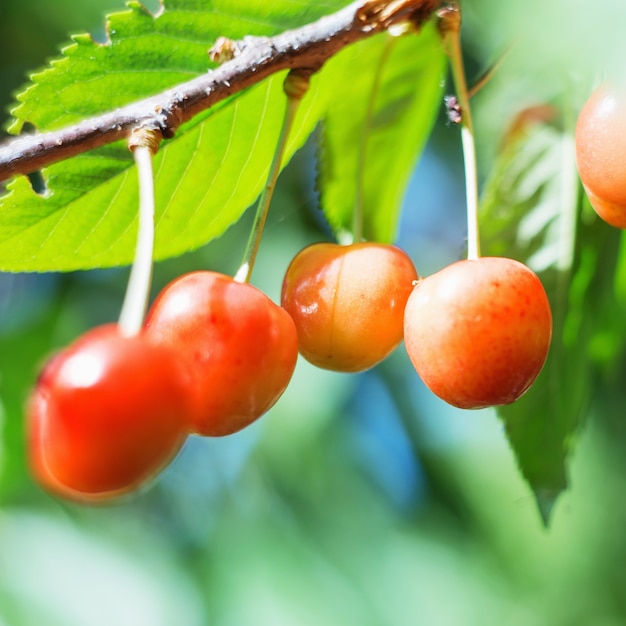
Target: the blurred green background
pixel 358 500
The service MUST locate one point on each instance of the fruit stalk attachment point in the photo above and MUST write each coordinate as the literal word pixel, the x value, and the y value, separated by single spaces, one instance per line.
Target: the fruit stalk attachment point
pixel 143 143
pixel 295 87
pixel 450 29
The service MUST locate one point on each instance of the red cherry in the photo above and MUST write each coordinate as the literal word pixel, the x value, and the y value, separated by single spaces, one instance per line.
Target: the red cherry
pixel 478 331
pixel 106 415
pixel 601 153
pixel 239 346
pixel 348 302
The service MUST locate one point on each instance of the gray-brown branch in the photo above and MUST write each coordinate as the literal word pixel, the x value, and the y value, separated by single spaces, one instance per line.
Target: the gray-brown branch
pixel 257 58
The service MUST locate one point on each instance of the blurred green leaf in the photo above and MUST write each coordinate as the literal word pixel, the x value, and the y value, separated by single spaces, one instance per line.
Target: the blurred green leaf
pixel 21 351
pixel 138 585
pixel 387 92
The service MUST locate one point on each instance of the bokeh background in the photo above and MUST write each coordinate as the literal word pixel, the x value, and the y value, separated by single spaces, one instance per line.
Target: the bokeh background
pixel 359 499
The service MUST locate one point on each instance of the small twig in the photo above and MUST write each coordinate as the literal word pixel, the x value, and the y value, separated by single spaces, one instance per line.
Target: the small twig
pixel 486 76
pixel 257 58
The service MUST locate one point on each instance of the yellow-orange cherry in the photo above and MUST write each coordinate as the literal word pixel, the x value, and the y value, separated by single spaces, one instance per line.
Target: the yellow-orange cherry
pixel 347 302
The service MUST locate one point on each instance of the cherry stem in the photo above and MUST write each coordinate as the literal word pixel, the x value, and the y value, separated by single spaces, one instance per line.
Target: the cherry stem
pixel 143 144
pixel 295 86
pixel 450 29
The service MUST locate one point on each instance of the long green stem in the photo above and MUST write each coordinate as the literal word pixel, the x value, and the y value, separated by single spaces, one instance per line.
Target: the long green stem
pixel 138 290
pixel 450 27
pixel 295 87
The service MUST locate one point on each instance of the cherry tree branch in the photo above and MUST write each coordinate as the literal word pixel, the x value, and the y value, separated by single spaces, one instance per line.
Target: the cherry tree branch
pixel 255 58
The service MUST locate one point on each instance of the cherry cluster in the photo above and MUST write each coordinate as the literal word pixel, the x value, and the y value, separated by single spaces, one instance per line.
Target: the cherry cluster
pixel 477 332
pixel 214 353
pixel 109 412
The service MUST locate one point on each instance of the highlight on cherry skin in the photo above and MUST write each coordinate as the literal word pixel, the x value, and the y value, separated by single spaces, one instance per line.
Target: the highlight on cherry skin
pixel 478 331
pixel 347 302
pixel 239 347
pixel 106 415
pixel 601 152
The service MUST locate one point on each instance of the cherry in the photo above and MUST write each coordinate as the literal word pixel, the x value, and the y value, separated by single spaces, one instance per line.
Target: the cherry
pixel 601 153
pixel 240 347
pixel 478 331
pixel 348 302
pixel 106 415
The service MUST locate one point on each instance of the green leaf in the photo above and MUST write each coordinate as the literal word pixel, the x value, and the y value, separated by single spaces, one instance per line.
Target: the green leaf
pixel 148 53
pixel 206 177
pixel 530 212
pixel 387 93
